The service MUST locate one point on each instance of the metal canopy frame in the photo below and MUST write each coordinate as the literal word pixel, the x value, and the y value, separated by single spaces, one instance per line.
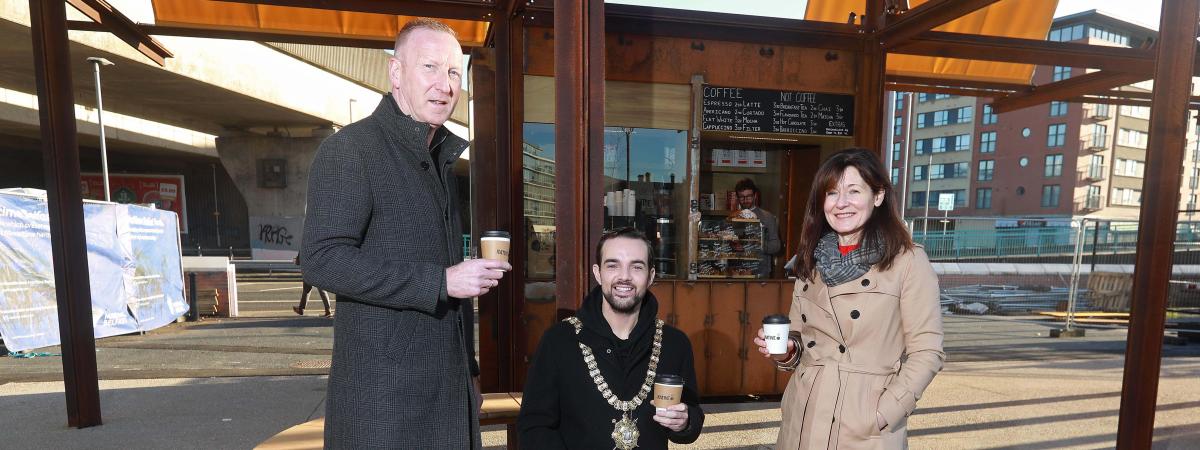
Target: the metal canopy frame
pixel 888 27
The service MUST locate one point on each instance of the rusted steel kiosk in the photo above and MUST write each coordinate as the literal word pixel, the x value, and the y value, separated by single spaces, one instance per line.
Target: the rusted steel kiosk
pixel 591 116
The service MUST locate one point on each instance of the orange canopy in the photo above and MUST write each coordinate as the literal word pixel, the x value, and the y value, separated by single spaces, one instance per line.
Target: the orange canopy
pixel 1028 19
pixel 209 14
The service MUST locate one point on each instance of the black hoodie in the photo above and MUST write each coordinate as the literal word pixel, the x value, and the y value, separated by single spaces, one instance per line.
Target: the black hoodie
pixel 562 408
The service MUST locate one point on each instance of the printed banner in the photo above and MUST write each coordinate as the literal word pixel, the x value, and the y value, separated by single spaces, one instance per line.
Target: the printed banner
pixel 134 269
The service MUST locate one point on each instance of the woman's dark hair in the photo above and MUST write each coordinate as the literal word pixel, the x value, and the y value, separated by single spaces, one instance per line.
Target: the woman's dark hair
pixel 884 223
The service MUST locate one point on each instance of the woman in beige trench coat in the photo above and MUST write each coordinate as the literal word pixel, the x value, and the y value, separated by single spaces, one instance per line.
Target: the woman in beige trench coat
pixel 866 324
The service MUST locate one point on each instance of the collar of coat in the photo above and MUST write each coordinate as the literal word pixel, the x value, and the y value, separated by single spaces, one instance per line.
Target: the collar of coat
pixel 598 333
pixel 404 129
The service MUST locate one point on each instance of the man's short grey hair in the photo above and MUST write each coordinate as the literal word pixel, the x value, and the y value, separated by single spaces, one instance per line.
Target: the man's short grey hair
pixel 419 23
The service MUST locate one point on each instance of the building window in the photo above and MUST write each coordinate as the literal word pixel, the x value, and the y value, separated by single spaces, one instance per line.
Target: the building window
pixel 941 118
pixel 1050 194
pixel 983 198
pixel 922 97
pixel 918 199
pixel 939 145
pixel 896 151
pixel 989 117
pixel 962 142
pixel 1058 109
pixel 937 171
pixel 958 170
pixel 1130 168
pixel 895 176
pixel 899 101
pixel 919 173
pixel 1061 73
pixel 1131 138
pixel 1056 135
pixel 986 170
pixel 1110 36
pixel 987 142
pixel 965 114
pixel 1099 137
pixel 1068 33
pixel 1126 197
pixel 1140 112
pixel 1195 175
pixel 1054 164
pixel 898 126
pixel 1096 168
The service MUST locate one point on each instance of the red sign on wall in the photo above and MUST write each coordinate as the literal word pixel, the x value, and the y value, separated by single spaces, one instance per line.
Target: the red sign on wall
pixel 163 191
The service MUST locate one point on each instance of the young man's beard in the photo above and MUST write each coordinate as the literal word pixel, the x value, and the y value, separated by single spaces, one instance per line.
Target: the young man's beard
pixel 623 308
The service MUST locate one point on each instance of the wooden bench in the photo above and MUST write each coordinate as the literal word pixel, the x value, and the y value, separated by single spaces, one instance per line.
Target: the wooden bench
pixel 498 409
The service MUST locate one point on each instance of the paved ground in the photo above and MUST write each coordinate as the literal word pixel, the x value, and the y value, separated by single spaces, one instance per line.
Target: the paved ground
pixel 232 383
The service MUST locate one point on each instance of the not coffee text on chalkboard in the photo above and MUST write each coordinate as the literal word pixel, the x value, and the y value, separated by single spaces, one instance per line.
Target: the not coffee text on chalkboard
pixel 767 111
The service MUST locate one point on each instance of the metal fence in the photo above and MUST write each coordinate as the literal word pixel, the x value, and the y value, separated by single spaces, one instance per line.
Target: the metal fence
pixel 1011 266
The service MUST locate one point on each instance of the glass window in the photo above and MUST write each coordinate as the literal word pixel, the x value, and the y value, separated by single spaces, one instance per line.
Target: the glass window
pixel 1061 73
pixel 1126 197
pixel 923 145
pixel 896 151
pixel 961 170
pixel 983 198
pixel 1058 109
pixel 1056 135
pixel 1054 164
pixel 922 97
pixel 939 145
pixel 897 126
pixel 1130 168
pixel 989 117
pixel 964 114
pixel 895 176
pixel 962 142
pixel 919 173
pixel 941 118
pixel 899 101
pixel 937 171
pixel 537 167
pixel 987 142
pixel 1131 138
pixel 918 200
pixel 1140 112
pixel 922 120
pixel 1050 194
pixel 986 170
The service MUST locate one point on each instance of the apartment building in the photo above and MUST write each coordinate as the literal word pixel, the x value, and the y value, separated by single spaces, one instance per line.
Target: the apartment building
pixel 1057 160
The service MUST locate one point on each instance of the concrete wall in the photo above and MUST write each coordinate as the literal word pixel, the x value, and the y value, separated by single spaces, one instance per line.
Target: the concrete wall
pixel 240 156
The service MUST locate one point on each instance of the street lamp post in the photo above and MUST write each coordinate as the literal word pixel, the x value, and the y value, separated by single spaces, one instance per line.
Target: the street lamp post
pixel 96 63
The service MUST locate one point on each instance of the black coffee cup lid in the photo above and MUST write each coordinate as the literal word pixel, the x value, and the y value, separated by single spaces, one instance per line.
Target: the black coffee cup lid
pixel 776 319
pixel 667 378
pixel 496 234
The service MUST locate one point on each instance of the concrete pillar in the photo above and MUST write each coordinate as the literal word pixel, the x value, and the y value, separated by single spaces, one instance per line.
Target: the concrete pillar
pixel 271 172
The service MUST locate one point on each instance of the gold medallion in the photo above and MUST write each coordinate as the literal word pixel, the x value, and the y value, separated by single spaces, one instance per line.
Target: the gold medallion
pixel 625 433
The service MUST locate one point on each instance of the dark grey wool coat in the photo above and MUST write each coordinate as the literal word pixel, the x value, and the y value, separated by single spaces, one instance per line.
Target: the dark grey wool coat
pixel 381 227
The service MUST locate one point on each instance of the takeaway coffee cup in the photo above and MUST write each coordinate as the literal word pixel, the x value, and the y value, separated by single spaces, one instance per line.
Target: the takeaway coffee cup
pixel 494 245
pixel 775 332
pixel 668 390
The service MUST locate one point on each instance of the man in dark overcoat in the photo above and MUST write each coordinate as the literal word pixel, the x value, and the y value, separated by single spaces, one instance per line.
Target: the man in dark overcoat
pixel 382 231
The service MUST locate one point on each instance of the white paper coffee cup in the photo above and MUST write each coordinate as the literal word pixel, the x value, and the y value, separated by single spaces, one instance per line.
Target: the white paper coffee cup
pixel 775 332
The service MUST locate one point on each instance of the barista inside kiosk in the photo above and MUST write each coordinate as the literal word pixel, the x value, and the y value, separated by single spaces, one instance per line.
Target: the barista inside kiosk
pixel 747 196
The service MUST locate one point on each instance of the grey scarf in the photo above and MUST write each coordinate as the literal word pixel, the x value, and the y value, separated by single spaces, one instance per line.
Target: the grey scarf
pixel 836 269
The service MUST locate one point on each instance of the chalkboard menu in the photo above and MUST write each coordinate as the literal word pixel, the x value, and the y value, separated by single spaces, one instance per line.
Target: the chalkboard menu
pixel 765 111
